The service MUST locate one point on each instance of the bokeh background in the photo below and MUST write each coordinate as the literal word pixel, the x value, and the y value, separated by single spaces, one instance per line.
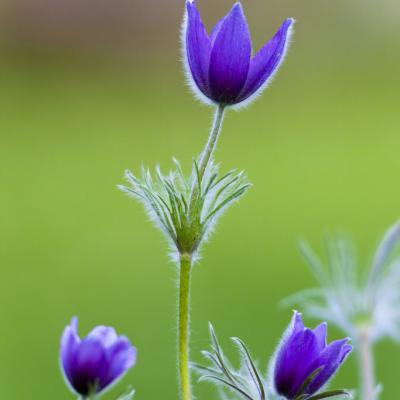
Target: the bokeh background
pixel 90 88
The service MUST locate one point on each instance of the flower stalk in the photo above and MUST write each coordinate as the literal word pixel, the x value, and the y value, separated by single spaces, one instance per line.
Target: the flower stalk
pixel 366 362
pixel 186 261
pixel 212 139
pixel 185 209
pixel 184 325
pixel 209 149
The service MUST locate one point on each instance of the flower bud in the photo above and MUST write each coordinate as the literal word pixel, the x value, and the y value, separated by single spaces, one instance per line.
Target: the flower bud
pixel 303 362
pixel 220 65
pixel 92 364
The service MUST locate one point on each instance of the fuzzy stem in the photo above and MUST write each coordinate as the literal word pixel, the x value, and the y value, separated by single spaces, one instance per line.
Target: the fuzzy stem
pixel 212 139
pixel 209 148
pixel 186 264
pixel 184 322
pixel 366 360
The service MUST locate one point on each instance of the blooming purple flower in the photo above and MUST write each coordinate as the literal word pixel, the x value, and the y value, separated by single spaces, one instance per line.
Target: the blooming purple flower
pixel 220 66
pixel 304 354
pixel 94 363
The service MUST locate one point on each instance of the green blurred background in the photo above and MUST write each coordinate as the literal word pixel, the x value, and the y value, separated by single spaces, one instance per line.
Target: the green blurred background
pixel 91 88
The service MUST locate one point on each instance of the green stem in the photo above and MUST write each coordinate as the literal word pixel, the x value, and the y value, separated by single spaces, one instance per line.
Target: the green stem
pixel 208 151
pixel 212 139
pixel 366 360
pixel 184 322
pixel 186 264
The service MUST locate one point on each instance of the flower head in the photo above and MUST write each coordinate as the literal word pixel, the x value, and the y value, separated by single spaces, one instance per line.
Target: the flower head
pixel 303 362
pixel 92 364
pixel 220 65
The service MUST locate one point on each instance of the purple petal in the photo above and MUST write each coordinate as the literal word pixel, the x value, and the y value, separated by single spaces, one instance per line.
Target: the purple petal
pixel 330 359
pixel 297 323
pixel 197 48
pixel 230 57
pixel 120 357
pixel 69 345
pixel 215 30
pixel 294 362
pixel 346 350
pixel 320 333
pixel 89 366
pixel 267 60
pixel 104 334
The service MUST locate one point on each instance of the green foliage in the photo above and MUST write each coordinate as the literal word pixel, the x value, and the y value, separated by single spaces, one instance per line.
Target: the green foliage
pixel 246 383
pixel 128 395
pixel 186 208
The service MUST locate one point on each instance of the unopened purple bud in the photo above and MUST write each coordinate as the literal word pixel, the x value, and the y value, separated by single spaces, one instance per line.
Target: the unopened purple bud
pixel 92 364
pixel 304 354
pixel 220 65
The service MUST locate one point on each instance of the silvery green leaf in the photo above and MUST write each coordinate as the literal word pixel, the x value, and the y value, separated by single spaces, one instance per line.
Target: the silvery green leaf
pixel 338 394
pixel 243 383
pixel 128 395
pixel 349 298
pixel 186 208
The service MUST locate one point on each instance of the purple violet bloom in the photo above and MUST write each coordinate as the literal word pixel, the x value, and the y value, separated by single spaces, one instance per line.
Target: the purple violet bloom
pixel 220 66
pixel 92 364
pixel 302 353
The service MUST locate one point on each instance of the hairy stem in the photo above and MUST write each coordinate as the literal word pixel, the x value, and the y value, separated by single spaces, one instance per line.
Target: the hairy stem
pixel 186 264
pixel 366 360
pixel 212 139
pixel 208 151
pixel 184 322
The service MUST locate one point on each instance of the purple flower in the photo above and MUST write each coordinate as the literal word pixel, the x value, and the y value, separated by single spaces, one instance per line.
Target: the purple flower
pixel 302 353
pixel 220 66
pixel 92 364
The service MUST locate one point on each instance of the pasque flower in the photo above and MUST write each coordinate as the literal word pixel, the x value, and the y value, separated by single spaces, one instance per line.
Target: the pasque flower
pixel 304 362
pixel 220 65
pixel 367 306
pixel 92 364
